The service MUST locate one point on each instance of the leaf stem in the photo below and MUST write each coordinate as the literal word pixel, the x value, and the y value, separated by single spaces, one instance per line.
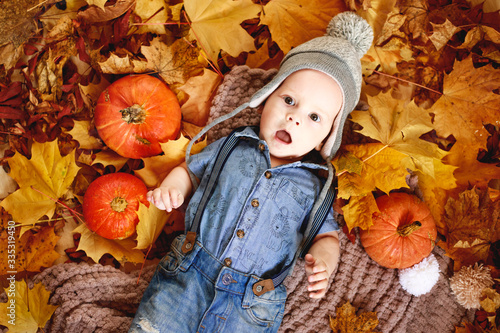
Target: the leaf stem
pixel 410 82
pixel 75 213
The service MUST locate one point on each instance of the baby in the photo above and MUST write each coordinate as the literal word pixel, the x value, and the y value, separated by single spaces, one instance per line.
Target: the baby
pixel 260 203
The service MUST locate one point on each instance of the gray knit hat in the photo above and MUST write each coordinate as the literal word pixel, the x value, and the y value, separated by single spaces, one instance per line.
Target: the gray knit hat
pixel 337 54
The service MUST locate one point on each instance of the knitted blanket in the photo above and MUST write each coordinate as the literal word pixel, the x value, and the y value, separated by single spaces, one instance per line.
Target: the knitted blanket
pixel 96 298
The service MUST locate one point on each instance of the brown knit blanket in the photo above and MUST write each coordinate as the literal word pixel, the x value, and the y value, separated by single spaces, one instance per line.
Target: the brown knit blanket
pixel 96 298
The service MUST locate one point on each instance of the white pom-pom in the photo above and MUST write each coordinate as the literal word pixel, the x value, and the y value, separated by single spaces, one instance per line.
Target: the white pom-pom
pixel 354 28
pixel 420 278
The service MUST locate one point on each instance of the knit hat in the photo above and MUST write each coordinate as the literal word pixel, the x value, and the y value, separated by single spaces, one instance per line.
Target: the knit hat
pixel 337 54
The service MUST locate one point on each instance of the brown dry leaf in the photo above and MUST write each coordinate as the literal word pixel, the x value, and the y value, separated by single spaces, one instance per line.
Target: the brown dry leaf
pixel 490 300
pixel 346 321
pixel 33 250
pixel 201 90
pixel 293 22
pixel 115 64
pixel 175 63
pixel 472 225
pixel 32 310
pixel 416 12
pixel 43 178
pixel 479 33
pixel 215 25
pixel 442 33
pixel 95 14
pixel 96 246
pixel 468 102
pixel 98 3
pixel 358 212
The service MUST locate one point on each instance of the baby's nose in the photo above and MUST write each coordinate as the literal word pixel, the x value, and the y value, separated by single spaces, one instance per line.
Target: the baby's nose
pixel 295 119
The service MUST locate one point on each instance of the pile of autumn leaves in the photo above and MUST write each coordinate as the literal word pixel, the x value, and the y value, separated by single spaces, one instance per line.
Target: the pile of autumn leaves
pixel 431 95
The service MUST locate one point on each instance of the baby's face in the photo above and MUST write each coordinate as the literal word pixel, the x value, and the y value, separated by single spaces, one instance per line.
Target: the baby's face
pixel 299 115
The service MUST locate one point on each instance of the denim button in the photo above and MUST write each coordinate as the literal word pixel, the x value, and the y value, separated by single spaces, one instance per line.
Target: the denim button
pixel 262 147
pixel 268 174
pixel 227 279
pixel 240 233
pixel 255 203
pixel 259 288
pixel 228 261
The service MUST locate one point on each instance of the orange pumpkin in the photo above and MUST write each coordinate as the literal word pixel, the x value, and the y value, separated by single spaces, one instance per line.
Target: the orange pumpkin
pixel 403 232
pixel 110 205
pixel 135 114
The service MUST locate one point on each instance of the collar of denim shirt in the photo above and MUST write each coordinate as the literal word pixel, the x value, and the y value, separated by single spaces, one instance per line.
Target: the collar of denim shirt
pixel 252 133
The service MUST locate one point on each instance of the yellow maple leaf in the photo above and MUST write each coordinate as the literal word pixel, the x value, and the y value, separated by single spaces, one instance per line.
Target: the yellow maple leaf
pixel 377 14
pixel 109 157
pixel 383 168
pixel 156 168
pixel 43 178
pixel 98 3
pixel 399 125
pixel 26 309
pixel 200 89
pixel 153 12
pixel 80 132
pixel 468 102
pixel 215 24
pixel 151 223
pixel 96 246
pixel 358 212
pixel 293 22
pixel 346 320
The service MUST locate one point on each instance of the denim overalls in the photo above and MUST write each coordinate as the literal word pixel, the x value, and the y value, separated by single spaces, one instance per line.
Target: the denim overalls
pixel 249 232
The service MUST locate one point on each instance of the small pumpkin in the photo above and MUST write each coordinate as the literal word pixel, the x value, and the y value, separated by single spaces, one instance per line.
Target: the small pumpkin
pixel 403 232
pixel 110 205
pixel 135 114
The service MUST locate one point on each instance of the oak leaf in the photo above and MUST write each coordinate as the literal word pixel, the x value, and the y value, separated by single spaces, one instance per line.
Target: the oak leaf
pixel 43 178
pixel 399 125
pixel 215 24
pixel 346 321
pixel 472 225
pixel 96 246
pixel 31 309
pixel 293 22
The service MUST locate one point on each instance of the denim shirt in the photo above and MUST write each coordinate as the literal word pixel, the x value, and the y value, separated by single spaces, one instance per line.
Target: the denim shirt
pixel 254 220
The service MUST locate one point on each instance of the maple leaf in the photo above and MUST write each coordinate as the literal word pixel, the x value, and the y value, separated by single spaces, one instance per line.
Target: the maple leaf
pixel 34 250
pixel 154 13
pixel 211 17
pixel 473 224
pixel 201 89
pixel 468 102
pixel 156 168
pixel 442 33
pixel 293 22
pixel 346 321
pixel 490 300
pixel 358 212
pixel 109 157
pixel 42 179
pixel 378 13
pixel 399 125
pixel 175 63
pixel 96 246
pixel 151 223
pixel 383 168
pixel 479 33
pixel 80 132
pixel 31 309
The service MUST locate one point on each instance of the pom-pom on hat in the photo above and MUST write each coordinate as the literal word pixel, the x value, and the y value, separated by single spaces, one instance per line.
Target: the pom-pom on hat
pixel 336 54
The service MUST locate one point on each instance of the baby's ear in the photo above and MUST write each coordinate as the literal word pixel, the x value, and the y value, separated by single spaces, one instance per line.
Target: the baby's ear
pixel 260 108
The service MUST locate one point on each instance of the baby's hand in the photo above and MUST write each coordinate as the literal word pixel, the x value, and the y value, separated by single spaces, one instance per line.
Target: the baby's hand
pixel 317 276
pixel 165 198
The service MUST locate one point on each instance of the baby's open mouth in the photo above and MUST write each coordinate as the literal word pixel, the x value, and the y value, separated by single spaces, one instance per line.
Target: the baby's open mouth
pixel 284 136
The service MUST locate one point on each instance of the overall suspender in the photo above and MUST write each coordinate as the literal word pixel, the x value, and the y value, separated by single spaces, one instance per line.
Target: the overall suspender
pixel 317 220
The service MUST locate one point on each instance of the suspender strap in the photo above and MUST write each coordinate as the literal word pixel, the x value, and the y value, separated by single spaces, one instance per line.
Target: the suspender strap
pixel 224 152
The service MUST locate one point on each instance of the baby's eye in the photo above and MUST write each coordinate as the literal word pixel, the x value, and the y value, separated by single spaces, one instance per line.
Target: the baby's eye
pixel 314 117
pixel 288 100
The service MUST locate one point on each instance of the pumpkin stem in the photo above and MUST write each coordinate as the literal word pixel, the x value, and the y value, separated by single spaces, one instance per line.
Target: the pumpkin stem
pixel 407 229
pixel 119 204
pixel 134 114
